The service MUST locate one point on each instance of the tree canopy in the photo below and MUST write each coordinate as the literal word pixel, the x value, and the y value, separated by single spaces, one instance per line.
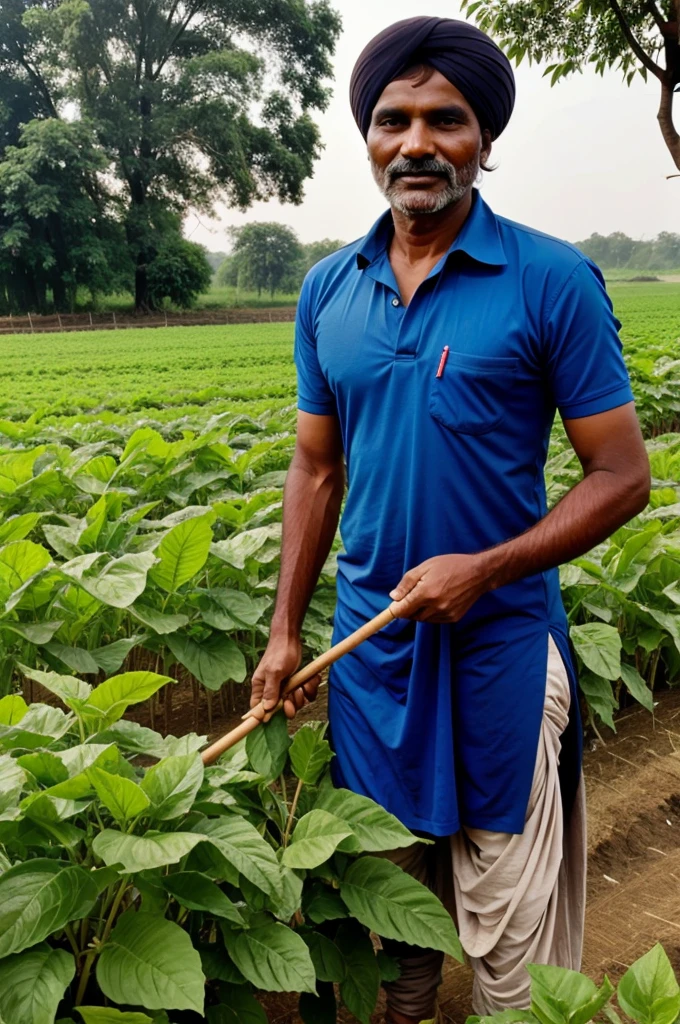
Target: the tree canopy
pixel 633 36
pixel 270 257
pixel 188 101
pixel 618 250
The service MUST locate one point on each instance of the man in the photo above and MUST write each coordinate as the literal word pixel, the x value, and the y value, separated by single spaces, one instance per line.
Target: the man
pixel 432 355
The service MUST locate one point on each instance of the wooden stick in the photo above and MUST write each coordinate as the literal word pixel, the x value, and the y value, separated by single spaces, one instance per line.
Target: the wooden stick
pixel 257 715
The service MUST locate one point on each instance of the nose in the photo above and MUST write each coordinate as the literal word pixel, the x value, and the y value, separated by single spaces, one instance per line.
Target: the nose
pixel 417 142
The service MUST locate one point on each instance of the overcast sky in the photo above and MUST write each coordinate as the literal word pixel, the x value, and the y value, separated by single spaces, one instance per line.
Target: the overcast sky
pixel 584 156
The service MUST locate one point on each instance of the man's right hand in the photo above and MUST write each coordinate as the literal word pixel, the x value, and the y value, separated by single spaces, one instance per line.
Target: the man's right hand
pixel 279 662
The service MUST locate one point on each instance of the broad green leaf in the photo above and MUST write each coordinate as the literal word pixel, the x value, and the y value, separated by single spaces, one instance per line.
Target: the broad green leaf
pixel 77 659
pixel 648 992
pixel 315 839
pixel 33 983
pixel 12 709
pixel 359 990
pixel 18 527
pixel 388 901
pixel 309 754
pixel 12 779
pixel 172 785
pixel 85 755
pixel 116 694
pixel 122 797
pixel 151 962
pixel 110 657
pixel 198 892
pixel 16 468
pixel 238 1007
pixel 599 648
pixel 236 550
pixel 159 622
pixel 273 957
pixel 636 686
pixel 213 661
pixel 374 827
pixel 227 609
pixel 599 695
pixel 35 632
pixel 140 853
pixel 67 688
pixel 243 847
pixel 267 747
pixel 389 967
pixel 183 552
pixel 47 768
pixel 109 1015
pixel 38 898
pixel 323 904
pixel 37 727
pixel 326 957
pixel 137 739
pixel 561 996
pixel 19 562
pixel 120 582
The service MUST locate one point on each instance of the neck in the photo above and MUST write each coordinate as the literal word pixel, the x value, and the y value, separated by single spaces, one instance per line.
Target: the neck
pixel 429 236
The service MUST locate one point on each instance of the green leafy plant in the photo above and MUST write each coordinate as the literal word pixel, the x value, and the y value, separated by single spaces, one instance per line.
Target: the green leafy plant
pixel 648 993
pixel 129 890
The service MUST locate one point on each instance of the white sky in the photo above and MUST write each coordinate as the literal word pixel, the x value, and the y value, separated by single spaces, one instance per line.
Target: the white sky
pixel 584 156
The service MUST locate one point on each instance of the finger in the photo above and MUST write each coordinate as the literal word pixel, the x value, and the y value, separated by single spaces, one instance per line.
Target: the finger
pixel 408 581
pixel 272 689
pixel 311 687
pixel 256 689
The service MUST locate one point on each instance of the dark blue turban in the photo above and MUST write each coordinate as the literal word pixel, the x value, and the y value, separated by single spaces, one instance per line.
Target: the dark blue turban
pixel 458 50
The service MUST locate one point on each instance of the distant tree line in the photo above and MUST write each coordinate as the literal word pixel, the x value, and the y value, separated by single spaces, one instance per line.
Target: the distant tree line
pixel 617 251
pixel 269 257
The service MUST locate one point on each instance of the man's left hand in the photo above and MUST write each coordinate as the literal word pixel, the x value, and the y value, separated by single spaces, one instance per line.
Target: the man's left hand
pixel 442 589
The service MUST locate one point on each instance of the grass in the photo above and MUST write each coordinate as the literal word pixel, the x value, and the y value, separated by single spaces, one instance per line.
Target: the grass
pixel 216 298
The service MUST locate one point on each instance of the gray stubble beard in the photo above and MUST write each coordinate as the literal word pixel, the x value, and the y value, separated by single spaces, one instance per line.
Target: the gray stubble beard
pixel 424 202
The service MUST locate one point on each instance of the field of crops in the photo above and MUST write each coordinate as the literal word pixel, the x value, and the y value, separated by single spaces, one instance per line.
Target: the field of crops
pixel 141 477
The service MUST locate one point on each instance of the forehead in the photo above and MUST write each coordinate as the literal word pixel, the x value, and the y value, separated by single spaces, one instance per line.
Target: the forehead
pixel 416 94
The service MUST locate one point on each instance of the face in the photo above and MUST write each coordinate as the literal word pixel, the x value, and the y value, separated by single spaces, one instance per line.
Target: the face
pixel 424 143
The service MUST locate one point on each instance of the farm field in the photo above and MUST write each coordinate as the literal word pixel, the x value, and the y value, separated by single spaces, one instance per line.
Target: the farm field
pixel 141 477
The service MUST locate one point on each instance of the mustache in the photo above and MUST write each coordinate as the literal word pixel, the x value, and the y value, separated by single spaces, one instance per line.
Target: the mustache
pixel 404 165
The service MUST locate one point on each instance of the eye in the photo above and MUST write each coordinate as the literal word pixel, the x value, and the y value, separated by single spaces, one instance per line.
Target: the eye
pixel 448 120
pixel 389 122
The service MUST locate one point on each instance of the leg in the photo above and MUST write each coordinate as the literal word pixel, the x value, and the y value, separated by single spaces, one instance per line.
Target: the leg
pixel 520 898
pixel 412 998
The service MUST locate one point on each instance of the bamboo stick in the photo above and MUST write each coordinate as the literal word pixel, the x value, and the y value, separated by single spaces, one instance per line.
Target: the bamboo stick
pixel 257 715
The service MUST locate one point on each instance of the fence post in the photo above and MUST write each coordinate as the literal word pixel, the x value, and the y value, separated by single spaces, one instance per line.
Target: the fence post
pixel 30 322
pixel 166 318
pixel 60 324
pixel 114 321
pixel 91 320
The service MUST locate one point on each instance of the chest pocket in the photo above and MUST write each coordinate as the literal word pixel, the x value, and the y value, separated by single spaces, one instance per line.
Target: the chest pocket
pixel 471 396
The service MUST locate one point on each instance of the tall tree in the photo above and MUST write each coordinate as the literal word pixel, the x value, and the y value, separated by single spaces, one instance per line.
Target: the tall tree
pixel 633 36
pixel 267 256
pixel 193 101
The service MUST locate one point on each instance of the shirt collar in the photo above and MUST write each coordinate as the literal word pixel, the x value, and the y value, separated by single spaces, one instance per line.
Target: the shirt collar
pixel 479 237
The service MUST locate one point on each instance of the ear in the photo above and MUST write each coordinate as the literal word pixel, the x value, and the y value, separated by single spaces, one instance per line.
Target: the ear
pixel 485 151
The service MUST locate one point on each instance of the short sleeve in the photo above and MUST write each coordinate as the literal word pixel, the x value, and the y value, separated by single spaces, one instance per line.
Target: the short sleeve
pixel 585 362
pixel 314 393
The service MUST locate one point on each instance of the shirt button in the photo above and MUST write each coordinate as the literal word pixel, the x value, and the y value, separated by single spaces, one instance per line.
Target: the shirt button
pixel 395 302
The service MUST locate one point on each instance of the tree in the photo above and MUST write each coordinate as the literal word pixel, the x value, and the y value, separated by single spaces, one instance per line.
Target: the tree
pixel 193 100
pixel 179 271
pixel 268 256
pixel 313 252
pixel 633 36
pixel 618 250
pixel 58 229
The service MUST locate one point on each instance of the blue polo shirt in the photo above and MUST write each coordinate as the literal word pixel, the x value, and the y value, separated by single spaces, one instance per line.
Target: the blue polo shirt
pixel 440 723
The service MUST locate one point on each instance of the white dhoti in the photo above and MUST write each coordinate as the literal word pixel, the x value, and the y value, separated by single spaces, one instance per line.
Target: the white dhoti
pixel 517 899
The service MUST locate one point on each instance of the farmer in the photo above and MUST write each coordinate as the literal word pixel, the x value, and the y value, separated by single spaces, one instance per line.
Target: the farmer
pixel 432 356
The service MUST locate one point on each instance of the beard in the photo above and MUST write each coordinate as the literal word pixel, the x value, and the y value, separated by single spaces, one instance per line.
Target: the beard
pixel 414 202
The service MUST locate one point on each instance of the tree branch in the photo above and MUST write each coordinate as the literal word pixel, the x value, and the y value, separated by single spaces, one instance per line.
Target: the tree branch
pixel 665 118
pixel 38 80
pixel 193 9
pixel 643 57
pixel 656 14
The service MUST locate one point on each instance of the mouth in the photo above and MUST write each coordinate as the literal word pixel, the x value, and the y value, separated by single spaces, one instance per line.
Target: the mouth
pixel 425 179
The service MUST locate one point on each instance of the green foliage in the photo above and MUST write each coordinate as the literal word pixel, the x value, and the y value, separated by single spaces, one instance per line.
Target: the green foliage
pixel 134 883
pixel 267 257
pixel 648 993
pixel 627 36
pixel 618 250
pixel 184 113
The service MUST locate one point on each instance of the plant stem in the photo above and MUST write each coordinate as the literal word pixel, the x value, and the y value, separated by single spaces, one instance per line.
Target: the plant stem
pixel 93 953
pixel 291 816
pixel 284 792
pixel 68 932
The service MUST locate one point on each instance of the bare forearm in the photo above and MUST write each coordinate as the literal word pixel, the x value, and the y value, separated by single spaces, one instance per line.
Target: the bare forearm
pixel 311 509
pixel 587 515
